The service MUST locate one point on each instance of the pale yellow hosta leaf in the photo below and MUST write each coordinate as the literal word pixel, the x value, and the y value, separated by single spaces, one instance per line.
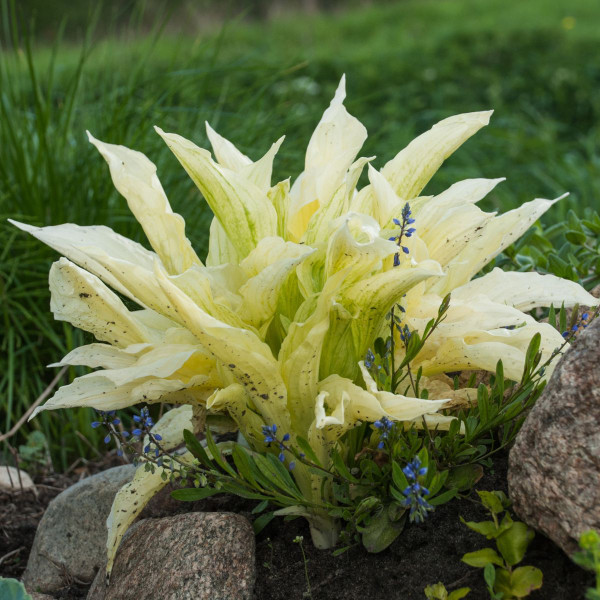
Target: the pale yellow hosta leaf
pixel 197 285
pixel 356 243
pixel 245 355
pixel 332 148
pixel 135 178
pixel 75 243
pixel 103 355
pixel 235 400
pixel 84 301
pixel 487 242
pixel 453 231
pixel 526 291
pixel 98 392
pixel 279 195
pixel 299 358
pixel 174 422
pixel 398 407
pixel 225 151
pixel 483 349
pixel 319 226
pixel 242 208
pixel 267 266
pixel 478 313
pixel 386 205
pixel 220 248
pixel 129 502
pixel 164 373
pixel 468 191
pixel 372 298
pixel 229 156
pixel 410 170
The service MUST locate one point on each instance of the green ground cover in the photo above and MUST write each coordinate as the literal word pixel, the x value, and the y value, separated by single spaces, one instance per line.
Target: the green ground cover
pixel 408 65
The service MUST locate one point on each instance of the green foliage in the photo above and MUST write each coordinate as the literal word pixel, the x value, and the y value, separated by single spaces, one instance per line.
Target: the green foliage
pixel 11 589
pixel 540 77
pixel 569 249
pixel 438 591
pixel 504 579
pixel 368 474
pixel 589 558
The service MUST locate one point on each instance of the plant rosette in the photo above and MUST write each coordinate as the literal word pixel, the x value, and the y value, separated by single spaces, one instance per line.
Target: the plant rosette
pixel 273 327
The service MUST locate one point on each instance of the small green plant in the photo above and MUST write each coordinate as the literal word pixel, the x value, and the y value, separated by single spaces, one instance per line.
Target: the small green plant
pixel 438 591
pixel 505 580
pixel 589 558
pixel 11 589
pixel 299 540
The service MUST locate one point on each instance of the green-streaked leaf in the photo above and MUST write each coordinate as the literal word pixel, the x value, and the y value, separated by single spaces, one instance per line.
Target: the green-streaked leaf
pixel 513 543
pixel 520 583
pixel 482 557
pixel 487 528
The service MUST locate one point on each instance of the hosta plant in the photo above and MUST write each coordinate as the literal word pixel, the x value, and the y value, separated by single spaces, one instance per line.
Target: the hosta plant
pixel 274 328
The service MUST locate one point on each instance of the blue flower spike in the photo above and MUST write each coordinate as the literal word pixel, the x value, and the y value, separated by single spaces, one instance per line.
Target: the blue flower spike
pixel 405 231
pixel 414 493
pixel 385 426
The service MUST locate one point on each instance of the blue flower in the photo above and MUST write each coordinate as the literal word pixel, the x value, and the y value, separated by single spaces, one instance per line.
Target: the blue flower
pixel 95 424
pixel 414 493
pixel 369 359
pixel 107 439
pixel 385 426
pixel 270 433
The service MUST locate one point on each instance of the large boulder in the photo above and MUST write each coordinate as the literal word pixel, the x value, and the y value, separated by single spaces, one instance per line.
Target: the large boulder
pixel 70 542
pixel 554 465
pixel 194 556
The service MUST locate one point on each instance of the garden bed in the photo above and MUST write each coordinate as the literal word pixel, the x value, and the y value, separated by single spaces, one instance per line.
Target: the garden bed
pixel 423 554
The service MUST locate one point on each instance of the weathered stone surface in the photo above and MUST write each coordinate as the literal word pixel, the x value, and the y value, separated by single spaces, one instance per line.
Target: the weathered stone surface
pixel 194 556
pixel 71 538
pixel 14 479
pixel 554 465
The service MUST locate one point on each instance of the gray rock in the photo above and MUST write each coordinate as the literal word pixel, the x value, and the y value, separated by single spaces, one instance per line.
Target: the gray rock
pixel 70 542
pixel 194 556
pixel 554 465
pixel 14 479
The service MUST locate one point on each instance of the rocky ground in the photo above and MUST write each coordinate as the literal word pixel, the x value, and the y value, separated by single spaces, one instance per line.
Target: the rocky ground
pixel 422 555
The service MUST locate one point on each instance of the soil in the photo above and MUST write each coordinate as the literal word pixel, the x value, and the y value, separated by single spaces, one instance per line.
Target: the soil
pixel 423 554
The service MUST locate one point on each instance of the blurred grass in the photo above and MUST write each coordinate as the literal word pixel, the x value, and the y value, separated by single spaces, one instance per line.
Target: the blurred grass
pixel 408 64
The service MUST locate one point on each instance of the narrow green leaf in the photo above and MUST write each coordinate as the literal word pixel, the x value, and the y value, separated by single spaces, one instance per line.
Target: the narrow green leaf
pixel 193 494
pixel 261 522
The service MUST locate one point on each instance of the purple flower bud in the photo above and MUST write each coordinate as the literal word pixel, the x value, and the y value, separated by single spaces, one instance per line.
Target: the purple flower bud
pixel 95 424
pixel 107 439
